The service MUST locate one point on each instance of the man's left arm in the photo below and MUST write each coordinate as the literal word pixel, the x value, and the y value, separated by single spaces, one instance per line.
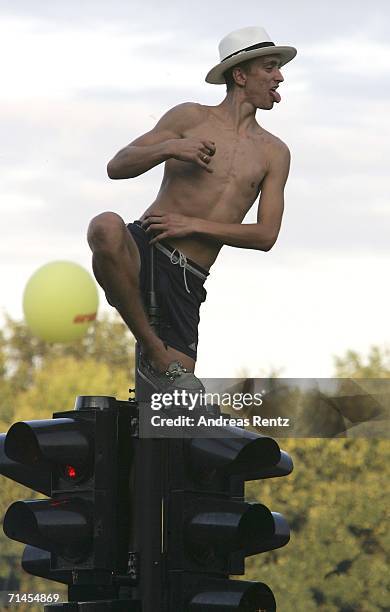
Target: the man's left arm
pixel 263 234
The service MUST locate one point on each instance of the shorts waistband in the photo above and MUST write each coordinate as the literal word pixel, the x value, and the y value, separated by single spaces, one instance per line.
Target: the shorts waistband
pixel 184 262
pixel 187 263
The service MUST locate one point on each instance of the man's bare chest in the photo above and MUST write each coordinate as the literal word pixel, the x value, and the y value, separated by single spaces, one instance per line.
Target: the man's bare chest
pixel 239 159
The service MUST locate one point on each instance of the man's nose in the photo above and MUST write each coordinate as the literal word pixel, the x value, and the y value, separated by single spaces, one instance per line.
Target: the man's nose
pixel 279 76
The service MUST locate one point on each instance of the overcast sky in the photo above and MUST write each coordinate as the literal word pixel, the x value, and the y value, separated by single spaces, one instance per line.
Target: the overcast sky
pixel 82 79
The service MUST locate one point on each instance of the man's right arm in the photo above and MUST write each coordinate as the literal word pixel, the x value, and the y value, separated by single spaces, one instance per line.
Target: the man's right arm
pixel 164 141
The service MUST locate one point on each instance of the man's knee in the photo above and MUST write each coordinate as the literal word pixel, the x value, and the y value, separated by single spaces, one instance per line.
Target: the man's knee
pixel 105 231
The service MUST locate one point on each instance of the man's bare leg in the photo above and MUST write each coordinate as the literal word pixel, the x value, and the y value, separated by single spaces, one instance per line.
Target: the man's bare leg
pixel 116 265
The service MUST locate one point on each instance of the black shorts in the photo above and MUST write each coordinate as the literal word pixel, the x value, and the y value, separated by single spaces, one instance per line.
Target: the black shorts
pixel 179 289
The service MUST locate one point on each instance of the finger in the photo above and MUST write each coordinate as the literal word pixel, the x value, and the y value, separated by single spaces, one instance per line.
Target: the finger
pixel 160 237
pixel 150 215
pixel 153 219
pixel 205 166
pixel 156 227
pixel 204 157
pixel 206 151
pixel 210 145
pixel 154 216
pixel 203 160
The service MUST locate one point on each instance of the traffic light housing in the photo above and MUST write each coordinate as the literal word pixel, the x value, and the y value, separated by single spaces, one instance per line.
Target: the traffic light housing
pixel 81 459
pixel 208 527
pixel 211 528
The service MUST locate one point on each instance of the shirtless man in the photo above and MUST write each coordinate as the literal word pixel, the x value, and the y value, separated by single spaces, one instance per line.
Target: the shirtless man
pixel 217 161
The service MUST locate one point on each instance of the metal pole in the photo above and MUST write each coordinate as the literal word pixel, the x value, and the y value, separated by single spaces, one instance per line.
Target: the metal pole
pixel 153 309
pixel 148 486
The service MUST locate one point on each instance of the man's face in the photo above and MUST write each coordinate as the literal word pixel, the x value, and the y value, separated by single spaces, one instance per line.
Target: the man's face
pixel 262 78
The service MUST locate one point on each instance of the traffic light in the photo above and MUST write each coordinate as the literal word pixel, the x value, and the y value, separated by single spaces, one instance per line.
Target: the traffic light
pixel 81 460
pixel 209 527
pixel 187 529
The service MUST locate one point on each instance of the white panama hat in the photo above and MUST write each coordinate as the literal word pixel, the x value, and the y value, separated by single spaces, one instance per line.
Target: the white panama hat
pixel 242 45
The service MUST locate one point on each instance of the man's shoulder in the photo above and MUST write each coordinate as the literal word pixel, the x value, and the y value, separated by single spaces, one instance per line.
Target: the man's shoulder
pixel 277 153
pixel 275 143
pixel 190 108
pixel 185 115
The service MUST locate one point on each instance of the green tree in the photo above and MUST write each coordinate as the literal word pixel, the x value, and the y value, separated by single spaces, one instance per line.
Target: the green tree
pixel 354 365
pixel 336 501
pixel 107 340
pixel 37 379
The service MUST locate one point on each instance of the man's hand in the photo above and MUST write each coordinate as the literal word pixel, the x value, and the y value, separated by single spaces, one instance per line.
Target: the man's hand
pixel 193 150
pixel 168 225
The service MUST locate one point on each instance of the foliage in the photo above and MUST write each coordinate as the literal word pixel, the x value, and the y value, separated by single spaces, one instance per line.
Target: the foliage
pixel 107 340
pixel 335 500
pixel 353 365
pixel 37 379
pixel 336 503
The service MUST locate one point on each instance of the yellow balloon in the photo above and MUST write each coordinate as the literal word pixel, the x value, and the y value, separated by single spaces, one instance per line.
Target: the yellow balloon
pixel 60 301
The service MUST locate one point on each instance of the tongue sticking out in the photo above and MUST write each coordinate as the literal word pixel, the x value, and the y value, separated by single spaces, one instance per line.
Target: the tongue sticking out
pixel 275 95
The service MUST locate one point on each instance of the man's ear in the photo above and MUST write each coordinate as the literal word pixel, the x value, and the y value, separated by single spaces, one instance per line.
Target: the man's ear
pixel 239 75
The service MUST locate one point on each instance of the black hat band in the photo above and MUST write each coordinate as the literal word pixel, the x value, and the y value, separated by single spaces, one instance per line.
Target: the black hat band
pixel 258 46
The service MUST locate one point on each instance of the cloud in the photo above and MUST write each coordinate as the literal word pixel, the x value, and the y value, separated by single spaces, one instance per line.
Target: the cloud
pixel 357 55
pixel 62 61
